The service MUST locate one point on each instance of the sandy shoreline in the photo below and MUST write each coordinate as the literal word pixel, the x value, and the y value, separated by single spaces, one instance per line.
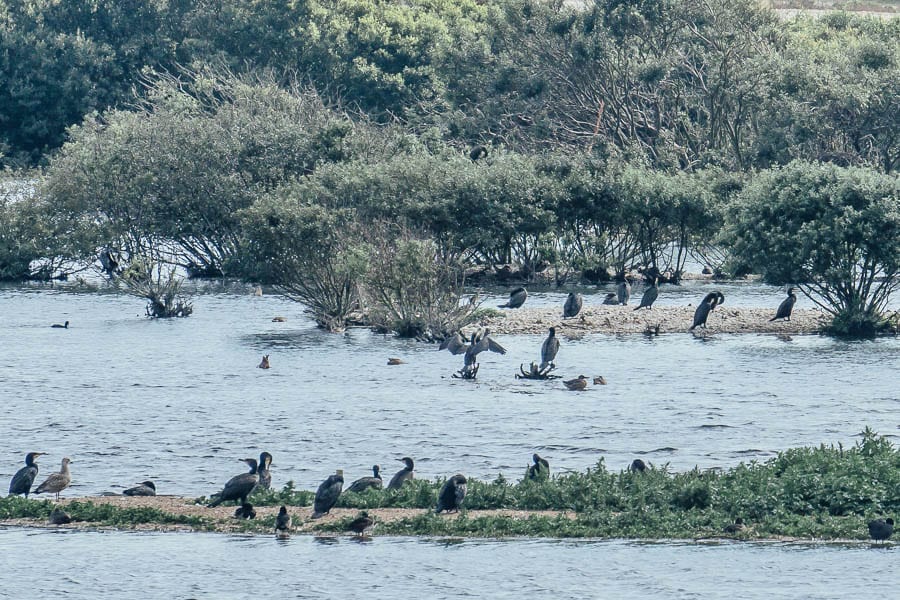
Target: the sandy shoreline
pixel 625 320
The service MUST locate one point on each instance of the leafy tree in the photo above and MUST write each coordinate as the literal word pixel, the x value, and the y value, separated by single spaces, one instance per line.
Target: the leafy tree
pixel 834 231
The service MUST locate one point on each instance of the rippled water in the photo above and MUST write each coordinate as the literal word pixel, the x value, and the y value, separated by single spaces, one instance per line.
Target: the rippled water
pixel 179 401
pixel 197 565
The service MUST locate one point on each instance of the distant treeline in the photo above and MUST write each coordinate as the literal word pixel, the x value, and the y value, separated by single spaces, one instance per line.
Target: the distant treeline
pixel 676 84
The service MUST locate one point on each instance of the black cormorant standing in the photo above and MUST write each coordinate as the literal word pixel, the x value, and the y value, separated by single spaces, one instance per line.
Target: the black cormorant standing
pixel 361 524
pixel 403 475
pixel 239 486
pixel 540 469
pixel 549 349
pixel 573 305
pixel 517 298
pixel 145 488
pixel 650 295
pixel 452 494
pixel 263 472
pixel 57 482
pixel 58 326
pixel 364 483
pixel 477 153
pixel 24 478
pixel 283 522
pixel 786 306
pixel 245 511
pixel 711 300
pixel 881 529
pixel 638 466
pixel 327 495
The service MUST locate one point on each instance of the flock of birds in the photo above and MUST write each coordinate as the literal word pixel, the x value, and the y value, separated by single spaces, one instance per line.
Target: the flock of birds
pixel 238 489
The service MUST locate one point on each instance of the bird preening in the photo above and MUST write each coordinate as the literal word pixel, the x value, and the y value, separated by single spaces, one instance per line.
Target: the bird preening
pixel 712 300
pixel 452 494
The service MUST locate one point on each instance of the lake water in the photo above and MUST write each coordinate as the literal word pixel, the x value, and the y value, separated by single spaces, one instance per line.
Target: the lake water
pixel 179 401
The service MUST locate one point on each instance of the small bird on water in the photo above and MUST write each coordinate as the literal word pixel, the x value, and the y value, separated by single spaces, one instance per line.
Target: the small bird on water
pixel 57 482
pixel 264 363
pixel 58 326
pixel 403 475
pixel 452 494
pixel 881 529
pixel 327 495
pixel 24 478
pixel 577 384
pixel 145 488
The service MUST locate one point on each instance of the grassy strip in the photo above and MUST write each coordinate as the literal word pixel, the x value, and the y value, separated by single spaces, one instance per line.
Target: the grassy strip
pixel 825 493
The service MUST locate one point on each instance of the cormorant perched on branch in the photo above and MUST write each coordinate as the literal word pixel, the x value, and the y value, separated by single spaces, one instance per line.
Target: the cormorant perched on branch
pixel 24 478
pixel 573 305
pixel 403 475
pixel 549 349
pixel 786 306
pixel 517 298
pixel 239 486
pixel 452 494
pixel 712 300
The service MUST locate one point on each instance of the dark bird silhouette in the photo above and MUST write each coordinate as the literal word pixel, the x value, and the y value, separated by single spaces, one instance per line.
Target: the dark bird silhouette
pixel 577 384
pixel 786 306
pixel 517 298
pixel 623 291
pixel 638 466
pixel 59 517
pixel 108 262
pixel 57 482
pixel 58 326
pixel 262 471
pixel 881 529
pixel 452 494
pixel 403 475
pixel 239 486
pixel 549 349
pixel 245 511
pixel 650 295
pixel 145 488
pixel 455 343
pixel 361 524
pixel 364 483
pixel 283 522
pixel 394 361
pixel 573 305
pixel 540 469
pixel 477 345
pixel 477 153
pixel 711 300
pixel 24 478
pixel 738 525
pixel 264 363
pixel 610 299
pixel 327 495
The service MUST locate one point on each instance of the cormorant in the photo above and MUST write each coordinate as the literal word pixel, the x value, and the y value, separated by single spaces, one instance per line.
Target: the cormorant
pixel 577 384
pixel 786 306
pixel 638 466
pixel 360 524
pixel 403 475
pixel 239 486
pixel 573 305
pixel 478 152
pixel 108 262
pixel 245 511
pixel 262 471
pixel 516 298
pixel 540 469
pixel 610 299
pixel 364 483
pixel 477 345
pixel 452 494
pixel 59 517
pixel 650 295
pixel 145 488
pixel 283 523
pixel 549 349
pixel 279 319
pixel 57 482
pixel 881 529
pixel 394 361
pixel 456 344
pixel 738 525
pixel 327 495
pixel 24 477
pixel 58 326
pixel 264 363
pixel 711 300
pixel 623 291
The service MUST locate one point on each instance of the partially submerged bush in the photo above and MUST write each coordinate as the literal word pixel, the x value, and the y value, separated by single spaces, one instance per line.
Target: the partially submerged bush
pixel 159 284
